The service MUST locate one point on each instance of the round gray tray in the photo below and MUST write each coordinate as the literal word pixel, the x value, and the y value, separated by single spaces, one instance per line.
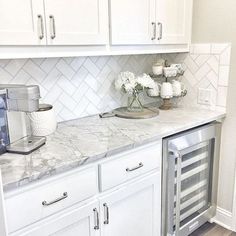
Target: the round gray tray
pixel 148 112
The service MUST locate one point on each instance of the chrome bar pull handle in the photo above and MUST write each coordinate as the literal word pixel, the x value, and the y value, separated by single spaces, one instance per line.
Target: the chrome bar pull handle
pixel 40 27
pixel 96 219
pixel 140 165
pixel 52 27
pixel 64 196
pixel 154 26
pixel 160 30
pixel 106 214
pixel 178 192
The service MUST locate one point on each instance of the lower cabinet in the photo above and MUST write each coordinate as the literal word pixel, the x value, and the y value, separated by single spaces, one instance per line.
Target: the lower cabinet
pixel 94 201
pixel 133 210
pixel 82 221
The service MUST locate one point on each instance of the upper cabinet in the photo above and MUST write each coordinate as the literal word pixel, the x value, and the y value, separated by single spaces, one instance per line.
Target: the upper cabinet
pixel 150 21
pixel 174 21
pixel 39 22
pixel 77 22
pixel 132 23
pixel 93 27
pixel 21 22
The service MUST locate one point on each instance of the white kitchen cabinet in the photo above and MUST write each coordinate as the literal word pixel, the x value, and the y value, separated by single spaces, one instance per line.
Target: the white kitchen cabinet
pixel 174 21
pixel 69 204
pixel 77 22
pixel 79 221
pixel 132 22
pixel 22 22
pixel 130 165
pixel 41 22
pixel 150 22
pixel 49 197
pixel 133 210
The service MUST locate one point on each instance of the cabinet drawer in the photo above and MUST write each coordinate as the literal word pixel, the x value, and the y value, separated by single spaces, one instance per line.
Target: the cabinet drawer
pixel 38 202
pixel 130 165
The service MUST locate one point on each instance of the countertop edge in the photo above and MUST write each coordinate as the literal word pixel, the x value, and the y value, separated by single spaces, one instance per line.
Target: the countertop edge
pixel 96 158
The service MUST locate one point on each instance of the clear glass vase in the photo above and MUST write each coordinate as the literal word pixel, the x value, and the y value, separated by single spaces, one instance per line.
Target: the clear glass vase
pixel 134 104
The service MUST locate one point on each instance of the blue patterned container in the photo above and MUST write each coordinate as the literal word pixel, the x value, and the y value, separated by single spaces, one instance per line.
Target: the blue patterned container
pixel 4 134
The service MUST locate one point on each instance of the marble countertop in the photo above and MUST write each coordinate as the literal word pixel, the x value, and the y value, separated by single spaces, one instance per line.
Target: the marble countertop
pixel 89 139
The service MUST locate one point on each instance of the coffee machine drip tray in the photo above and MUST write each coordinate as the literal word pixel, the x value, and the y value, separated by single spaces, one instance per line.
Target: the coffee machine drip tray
pixel 26 145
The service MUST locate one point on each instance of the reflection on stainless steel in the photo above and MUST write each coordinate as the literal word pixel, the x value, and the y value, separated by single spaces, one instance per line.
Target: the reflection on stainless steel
pixel 21 99
pixel 190 168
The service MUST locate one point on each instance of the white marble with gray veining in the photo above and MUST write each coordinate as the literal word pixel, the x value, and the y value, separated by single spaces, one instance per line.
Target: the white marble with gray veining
pixel 89 139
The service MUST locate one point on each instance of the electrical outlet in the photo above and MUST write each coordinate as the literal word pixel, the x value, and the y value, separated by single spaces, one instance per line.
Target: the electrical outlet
pixel 204 96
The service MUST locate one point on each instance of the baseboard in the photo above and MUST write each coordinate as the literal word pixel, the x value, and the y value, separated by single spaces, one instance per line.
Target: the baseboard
pixel 223 218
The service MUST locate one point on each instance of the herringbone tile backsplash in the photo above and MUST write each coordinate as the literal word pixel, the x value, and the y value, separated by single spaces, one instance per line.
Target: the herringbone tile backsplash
pixel 82 86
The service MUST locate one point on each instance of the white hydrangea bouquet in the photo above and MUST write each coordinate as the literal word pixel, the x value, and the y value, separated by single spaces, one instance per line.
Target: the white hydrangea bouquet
pixel 127 82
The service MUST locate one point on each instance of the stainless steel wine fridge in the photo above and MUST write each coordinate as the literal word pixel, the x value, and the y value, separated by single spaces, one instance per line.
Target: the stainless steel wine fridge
pixel 190 176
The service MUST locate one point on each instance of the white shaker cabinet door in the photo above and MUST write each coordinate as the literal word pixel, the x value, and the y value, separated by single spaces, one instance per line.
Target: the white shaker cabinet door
pixel 77 22
pixel 81 221
pixel 133 210
pixel 174 20
pixel 132 22
pixel 22 22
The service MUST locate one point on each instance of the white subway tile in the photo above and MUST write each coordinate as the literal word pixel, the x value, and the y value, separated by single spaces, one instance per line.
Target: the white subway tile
pixel 21 78
pixel 67 101
pixel 217 48
pixel 223 75
pixel 65 69
pixel 202 72
pixel 202 59
pixel 84 85
pixel 221 96
pixel 225 56
pixel 202 48
pixel 91 67
pixel 77 62
pixel 14 66
pixel 213 78
pixel 190 63
pixel 92 82
pixel 48 64
pixel 66 85
pixel 34 71
pixel 213 63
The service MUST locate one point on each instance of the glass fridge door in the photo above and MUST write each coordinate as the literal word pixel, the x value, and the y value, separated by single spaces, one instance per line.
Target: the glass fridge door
pixel 193 168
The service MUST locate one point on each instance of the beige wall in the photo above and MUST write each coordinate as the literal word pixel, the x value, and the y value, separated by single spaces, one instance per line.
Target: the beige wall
pixel 215 21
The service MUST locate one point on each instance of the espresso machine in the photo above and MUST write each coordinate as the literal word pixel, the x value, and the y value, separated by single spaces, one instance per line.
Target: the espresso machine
pixel 16 102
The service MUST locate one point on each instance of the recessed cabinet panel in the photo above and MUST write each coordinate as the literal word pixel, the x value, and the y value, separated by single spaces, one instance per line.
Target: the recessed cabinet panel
pixel 174 21
pixel 77 22
pixel 133 210
pixel 22 22
pixel 80 221
pixel 131 21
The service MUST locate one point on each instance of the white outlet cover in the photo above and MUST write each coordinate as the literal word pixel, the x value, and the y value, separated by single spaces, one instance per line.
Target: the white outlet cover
pixel 204 96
